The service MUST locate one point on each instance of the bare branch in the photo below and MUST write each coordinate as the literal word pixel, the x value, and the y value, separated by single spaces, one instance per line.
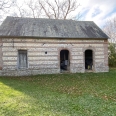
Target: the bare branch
pixel 4 4
pixel 58 10
pixel 32 7
pixel 45 10
pixel 51 9
pixel 110 29
pixel 68 9
pixel 20 10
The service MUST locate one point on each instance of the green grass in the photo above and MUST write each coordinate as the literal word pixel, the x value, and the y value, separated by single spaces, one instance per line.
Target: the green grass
pixel 89 94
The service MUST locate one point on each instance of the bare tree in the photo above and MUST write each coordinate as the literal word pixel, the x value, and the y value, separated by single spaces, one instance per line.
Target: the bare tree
pixel 27 9
pixel 5 4
pixel 20 11
pixel 110 29
pixel 34 8
pixel 56 9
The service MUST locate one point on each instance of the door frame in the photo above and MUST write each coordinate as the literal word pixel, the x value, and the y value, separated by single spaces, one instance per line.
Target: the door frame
pixel 69 57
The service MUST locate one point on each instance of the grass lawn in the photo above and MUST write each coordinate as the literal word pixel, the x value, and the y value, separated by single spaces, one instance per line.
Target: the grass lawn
pixel 89 94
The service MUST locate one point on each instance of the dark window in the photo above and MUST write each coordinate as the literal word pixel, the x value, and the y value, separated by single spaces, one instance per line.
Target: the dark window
pixel 22 59
pixel 64 60
pixel 88 59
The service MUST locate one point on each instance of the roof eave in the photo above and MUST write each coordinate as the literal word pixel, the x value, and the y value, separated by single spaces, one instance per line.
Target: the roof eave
pixel 36 37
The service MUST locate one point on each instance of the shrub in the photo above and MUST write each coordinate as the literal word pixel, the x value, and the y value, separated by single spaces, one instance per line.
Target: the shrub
pixel 112 55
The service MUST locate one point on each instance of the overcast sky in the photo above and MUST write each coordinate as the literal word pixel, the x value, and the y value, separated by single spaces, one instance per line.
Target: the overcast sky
pixel 98 11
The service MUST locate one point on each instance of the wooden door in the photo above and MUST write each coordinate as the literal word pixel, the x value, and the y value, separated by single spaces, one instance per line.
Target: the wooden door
pixel 22 59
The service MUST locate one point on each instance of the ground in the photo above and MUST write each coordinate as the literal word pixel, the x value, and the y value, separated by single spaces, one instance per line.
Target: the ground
pixel 88 94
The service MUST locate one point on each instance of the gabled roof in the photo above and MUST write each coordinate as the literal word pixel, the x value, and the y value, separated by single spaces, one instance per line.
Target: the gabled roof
pixel 49 28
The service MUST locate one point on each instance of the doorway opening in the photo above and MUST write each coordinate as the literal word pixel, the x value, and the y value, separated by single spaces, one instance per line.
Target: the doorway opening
pixel 64 60
pixel 88 59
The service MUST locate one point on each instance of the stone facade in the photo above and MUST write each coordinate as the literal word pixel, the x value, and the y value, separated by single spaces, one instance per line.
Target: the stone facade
pixel 43 55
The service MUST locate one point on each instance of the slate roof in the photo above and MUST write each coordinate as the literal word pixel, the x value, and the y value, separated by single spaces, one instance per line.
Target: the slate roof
pixel 49 28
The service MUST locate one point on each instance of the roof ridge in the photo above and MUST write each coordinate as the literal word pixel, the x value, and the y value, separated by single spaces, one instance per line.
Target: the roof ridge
pixel 47 19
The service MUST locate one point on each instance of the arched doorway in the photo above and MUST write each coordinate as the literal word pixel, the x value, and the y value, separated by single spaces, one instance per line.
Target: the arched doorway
pixel 64 60
pixel 88 59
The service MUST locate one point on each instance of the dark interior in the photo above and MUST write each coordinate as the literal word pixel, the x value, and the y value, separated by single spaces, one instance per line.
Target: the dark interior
pixel 88 59
pixel 64 59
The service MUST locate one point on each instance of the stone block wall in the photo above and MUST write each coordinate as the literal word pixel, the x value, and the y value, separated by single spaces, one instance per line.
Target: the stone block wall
pixel 44 55
pixel 1 62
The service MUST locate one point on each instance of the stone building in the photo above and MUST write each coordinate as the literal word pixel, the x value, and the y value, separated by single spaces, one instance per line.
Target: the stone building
pixel 31 46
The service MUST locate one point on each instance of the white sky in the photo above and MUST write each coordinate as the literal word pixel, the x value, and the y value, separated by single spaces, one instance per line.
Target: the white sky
pixel 99 11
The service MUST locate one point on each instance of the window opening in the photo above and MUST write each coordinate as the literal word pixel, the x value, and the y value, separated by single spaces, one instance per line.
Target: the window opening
pixel 64 60
pixel 22 59
pixel 88 59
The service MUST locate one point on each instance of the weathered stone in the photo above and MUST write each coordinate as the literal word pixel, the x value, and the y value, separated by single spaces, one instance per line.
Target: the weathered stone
pixel 43 55
pixel 42 58
pixel 9 58
pixel 99 57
